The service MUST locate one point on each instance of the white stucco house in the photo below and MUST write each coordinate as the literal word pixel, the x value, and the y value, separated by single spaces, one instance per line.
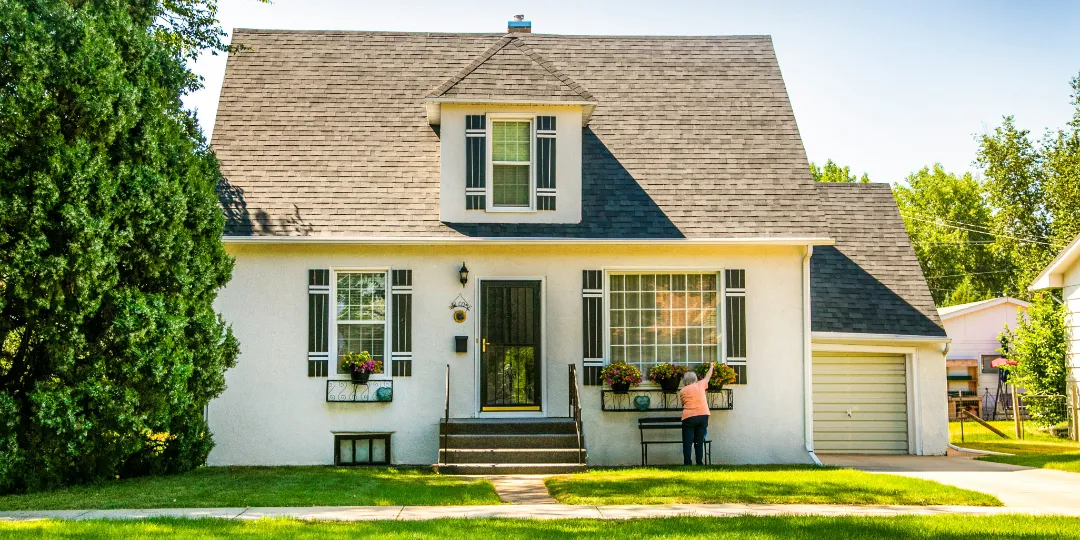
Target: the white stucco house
pixel 1064 273
pixel 974 329
pixel 496 217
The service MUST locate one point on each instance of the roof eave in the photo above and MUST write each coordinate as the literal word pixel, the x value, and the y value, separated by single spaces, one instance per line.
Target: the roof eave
pixel 434 105
pixel 849 337
pixel 979 306
pixel 487 240
pixel 1053 277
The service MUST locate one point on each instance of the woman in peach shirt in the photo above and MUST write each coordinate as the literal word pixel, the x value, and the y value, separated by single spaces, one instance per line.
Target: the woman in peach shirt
pixel 695 415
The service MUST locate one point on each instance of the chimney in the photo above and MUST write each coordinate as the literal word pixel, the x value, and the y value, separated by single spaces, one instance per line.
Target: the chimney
pixel 519 25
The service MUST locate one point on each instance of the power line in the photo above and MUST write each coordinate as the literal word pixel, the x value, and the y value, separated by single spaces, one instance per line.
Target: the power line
pixel 1017 238
pixel 939 218
pixel 971 274
pixel 968 243
pixel 985 228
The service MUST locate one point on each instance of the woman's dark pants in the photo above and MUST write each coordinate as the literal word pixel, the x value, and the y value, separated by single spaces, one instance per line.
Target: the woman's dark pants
pixel 693 433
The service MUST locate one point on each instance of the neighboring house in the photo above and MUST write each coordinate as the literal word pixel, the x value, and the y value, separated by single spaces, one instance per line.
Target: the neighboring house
pixel 974 329
pixel 490 214
pixel 1064 273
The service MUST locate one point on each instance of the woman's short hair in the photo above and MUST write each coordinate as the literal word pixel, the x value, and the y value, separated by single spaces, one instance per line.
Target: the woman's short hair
pixel 689 378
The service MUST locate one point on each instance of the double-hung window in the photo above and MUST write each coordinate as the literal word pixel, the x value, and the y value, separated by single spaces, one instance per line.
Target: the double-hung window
pixel 511 164
pixel 361 314
pixel 663 317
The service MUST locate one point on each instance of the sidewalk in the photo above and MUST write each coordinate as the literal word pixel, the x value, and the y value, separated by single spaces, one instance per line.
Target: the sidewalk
pixel 531 511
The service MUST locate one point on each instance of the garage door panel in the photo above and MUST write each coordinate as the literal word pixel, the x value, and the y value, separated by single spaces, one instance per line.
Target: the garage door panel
pixel 842 416
pixel 861 387
pixel 833 358
pixel 860 403
pixel 847 398
pixel 870 437
pixel 856 407
pixel 861 447
pixel 856 369
pixel 863 426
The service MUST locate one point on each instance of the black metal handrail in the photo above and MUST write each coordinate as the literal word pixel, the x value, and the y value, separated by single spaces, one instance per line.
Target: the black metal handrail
pixel 444 447
pixel 575 411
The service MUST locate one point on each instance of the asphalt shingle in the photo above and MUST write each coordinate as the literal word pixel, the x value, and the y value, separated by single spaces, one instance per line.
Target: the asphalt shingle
pixel 870 281
pixel 325 133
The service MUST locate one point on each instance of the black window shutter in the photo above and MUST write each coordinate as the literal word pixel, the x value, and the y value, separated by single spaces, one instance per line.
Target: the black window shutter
pixel 401 332
pixel 318 322
pixel 592 330
pixel 735 317
pixel 545 162
pixel 475 161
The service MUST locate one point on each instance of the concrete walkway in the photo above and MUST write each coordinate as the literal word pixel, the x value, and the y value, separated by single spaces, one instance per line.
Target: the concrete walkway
pixel 521 488
pixel 1016 486
pixel 531 511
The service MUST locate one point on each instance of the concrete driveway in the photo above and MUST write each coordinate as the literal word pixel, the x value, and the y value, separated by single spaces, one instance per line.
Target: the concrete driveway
pixel 1015 486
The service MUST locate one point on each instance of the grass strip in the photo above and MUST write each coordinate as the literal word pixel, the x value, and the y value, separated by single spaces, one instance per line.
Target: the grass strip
pixel 767 484
pixel 266 486
pixel 945 527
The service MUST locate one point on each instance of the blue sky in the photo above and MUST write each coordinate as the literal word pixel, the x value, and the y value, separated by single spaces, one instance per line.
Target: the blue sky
pixel 885 87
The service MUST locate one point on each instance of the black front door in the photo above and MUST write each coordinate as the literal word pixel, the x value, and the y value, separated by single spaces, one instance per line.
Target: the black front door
pixel 510 345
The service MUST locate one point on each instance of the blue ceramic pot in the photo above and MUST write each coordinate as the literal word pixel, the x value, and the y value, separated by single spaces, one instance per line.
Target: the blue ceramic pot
pixel 384 394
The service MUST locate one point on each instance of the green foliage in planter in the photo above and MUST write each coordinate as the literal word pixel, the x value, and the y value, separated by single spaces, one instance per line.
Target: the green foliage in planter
pixel 723 375
pixel 621 373
pixel 665 372
pixel 110 243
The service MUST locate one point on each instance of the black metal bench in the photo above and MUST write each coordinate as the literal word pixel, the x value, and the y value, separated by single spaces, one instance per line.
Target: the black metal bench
pixel 665 422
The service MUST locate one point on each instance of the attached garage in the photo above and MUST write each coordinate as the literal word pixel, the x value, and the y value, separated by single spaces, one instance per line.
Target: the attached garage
pixel 860 403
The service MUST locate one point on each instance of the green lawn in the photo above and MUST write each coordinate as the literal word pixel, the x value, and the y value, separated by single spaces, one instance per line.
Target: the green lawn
pixel 1036 449
pixel 809 528
pixel 266 486
pixel 782 484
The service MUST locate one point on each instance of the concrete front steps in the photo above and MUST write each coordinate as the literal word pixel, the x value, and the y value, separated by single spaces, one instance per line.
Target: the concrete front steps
pixel 509 446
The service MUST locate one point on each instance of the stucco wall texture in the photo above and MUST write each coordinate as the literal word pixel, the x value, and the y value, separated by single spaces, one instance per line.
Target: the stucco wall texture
pixel 272 413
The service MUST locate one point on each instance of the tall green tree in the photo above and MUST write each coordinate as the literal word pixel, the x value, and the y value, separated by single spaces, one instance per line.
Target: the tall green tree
pixel 831 172
pixel 1038 346
pixel 110 242
pixel 1034 188
pixel 948 220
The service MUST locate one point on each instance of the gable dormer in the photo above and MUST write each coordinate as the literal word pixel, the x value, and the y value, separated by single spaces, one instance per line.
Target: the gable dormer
pixel 510 135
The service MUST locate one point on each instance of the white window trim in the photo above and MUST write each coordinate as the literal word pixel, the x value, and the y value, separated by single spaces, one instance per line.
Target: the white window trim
pixel 333 337
pixel 720 307
pixel 489 186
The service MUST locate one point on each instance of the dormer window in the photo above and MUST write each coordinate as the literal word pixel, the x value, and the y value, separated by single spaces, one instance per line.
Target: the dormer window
pixel 510 168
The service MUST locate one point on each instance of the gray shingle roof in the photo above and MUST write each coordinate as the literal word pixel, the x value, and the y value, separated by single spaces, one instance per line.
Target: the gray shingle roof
pixel 325 133
pixel 870 281
pixel 511 70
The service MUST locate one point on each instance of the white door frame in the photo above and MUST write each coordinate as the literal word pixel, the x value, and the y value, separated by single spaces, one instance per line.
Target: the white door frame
pixel 477 412
pixel 911 362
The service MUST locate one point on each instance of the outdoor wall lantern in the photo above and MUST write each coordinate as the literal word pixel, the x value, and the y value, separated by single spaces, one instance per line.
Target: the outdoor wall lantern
pixel 463 274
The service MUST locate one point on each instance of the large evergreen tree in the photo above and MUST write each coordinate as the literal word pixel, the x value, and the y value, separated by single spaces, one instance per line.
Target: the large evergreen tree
pixel 110 242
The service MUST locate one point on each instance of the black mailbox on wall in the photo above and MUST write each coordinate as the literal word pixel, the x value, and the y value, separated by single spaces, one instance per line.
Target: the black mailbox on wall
pixel 461 344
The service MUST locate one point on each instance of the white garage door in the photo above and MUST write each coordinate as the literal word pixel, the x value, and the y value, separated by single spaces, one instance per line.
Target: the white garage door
pixel 860 404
